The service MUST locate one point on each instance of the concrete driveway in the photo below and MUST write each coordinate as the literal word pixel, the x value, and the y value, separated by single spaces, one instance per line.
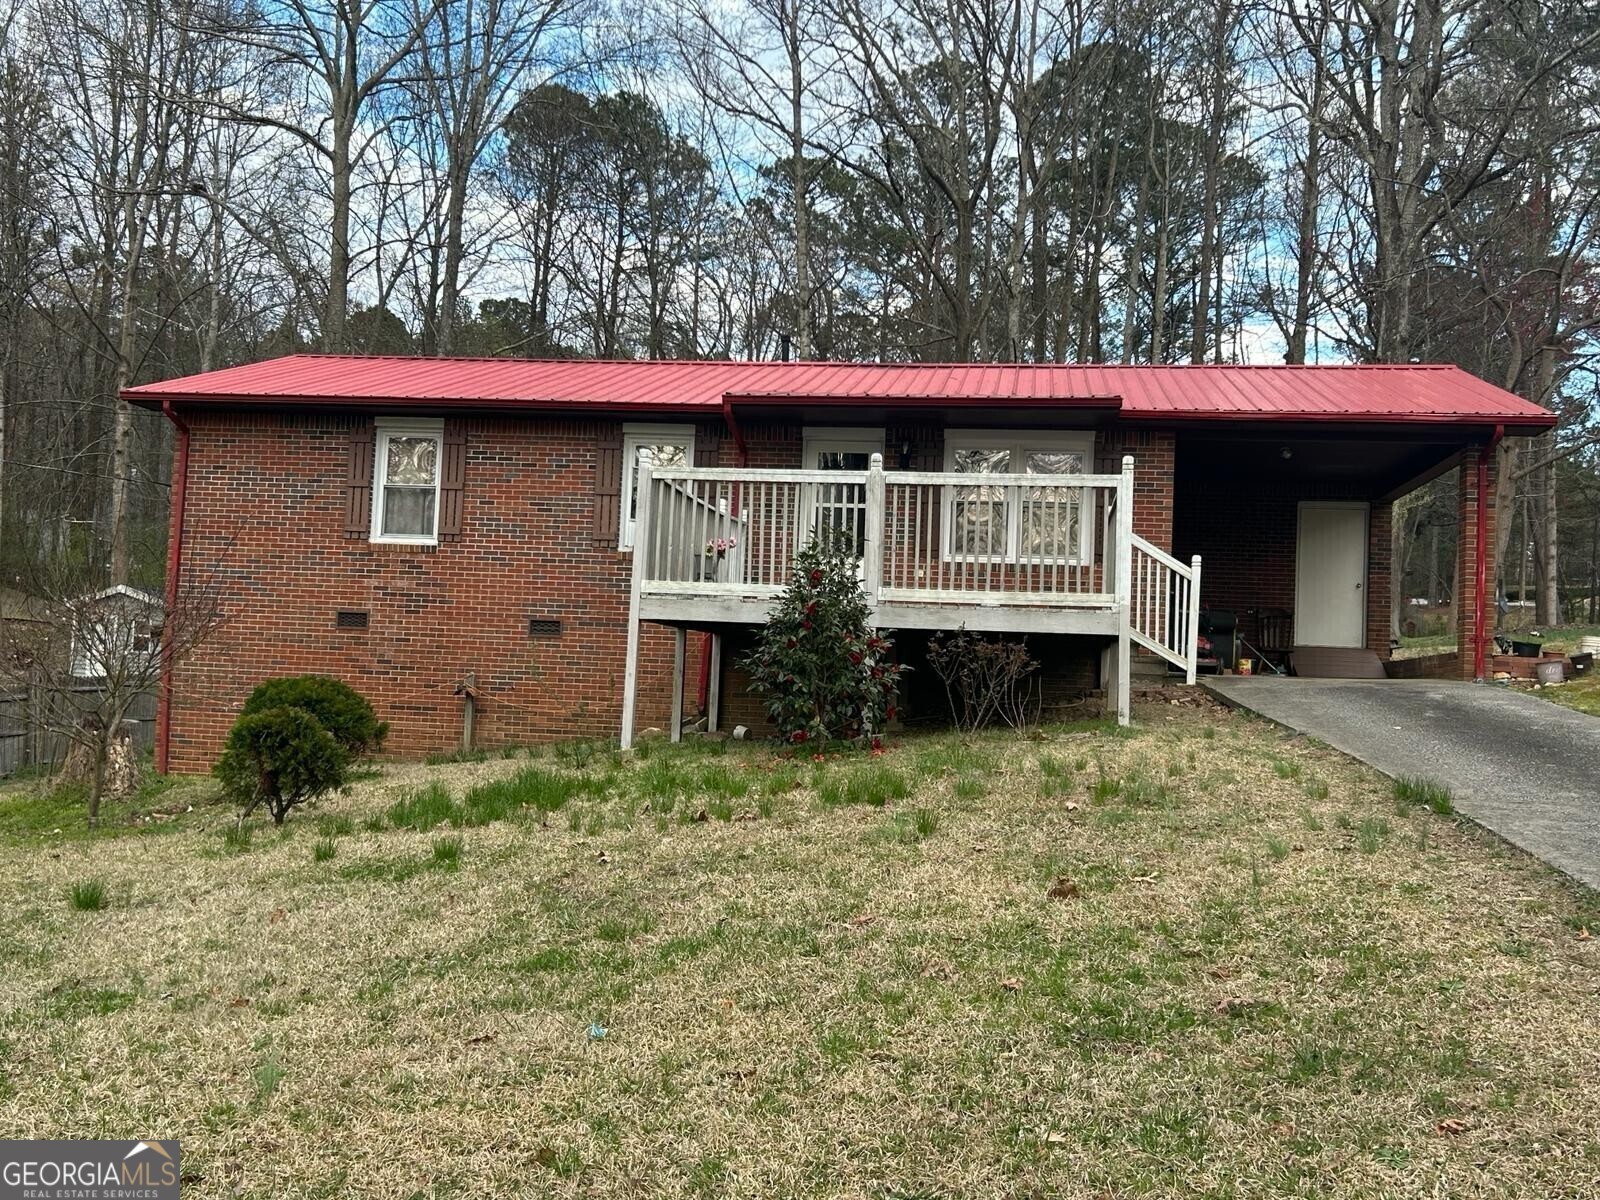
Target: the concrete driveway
pixel 1523 767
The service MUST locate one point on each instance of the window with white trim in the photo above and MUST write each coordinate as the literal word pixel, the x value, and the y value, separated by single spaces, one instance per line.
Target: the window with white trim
pixel 997 523
pixel 405 485
pixel 659 445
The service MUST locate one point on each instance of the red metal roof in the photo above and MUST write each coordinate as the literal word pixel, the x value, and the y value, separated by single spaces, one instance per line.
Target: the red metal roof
pixel 1410 394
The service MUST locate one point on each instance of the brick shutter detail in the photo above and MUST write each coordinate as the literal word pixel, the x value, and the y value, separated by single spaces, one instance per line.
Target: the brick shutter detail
pixel 358 480
pixel 452 481
pixel 607 488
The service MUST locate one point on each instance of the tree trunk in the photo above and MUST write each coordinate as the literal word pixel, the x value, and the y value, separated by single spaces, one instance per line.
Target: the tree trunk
pixel 802 197
pixel 333 319
pixel 1549 560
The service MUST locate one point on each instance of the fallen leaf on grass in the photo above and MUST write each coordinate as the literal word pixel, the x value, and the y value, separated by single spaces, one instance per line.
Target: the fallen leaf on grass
pixel 1451 1126
pixel 602 857
pixel 278 914
pixel 862 920
pixel 702 816
pixel 1584 935
pixel 938 968
pixel 479 1039
pixel 1063 889
pixel 1012 984
pixel 1284 1129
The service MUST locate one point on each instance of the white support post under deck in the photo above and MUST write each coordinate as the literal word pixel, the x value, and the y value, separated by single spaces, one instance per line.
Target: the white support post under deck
pixel 1192 640
pixel 641 553
pixel 680 638
pixel 1124 589
pixel 714 687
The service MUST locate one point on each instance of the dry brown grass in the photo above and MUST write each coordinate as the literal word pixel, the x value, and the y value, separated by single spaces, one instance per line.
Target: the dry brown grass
pixel 1255 977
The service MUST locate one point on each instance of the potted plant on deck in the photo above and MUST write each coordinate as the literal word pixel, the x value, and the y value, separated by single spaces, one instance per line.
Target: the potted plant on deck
pixel 711 558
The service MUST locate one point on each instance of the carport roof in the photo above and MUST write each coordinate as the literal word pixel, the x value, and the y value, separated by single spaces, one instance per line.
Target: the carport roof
pixel 1422 394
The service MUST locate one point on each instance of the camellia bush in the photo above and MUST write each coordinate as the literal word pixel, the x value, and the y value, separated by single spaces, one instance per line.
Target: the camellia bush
pixel 826 674
pixel 296 739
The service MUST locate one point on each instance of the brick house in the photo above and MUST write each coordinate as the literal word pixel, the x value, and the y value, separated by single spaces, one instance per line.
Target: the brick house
pixel 589 544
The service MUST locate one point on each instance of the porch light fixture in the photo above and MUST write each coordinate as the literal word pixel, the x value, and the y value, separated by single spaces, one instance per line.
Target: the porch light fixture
pixel 1285 453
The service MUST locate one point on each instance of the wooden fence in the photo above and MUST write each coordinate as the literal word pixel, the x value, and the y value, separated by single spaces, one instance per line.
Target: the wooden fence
pixel 24 744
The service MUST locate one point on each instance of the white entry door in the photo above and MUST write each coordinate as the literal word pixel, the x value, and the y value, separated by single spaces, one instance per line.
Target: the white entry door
pixel 1331 575
pixel 841 506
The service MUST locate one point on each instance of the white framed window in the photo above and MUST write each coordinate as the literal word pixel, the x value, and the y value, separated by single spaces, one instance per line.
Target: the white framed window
pixel 658 445
pixel 405 480
pixel 988 522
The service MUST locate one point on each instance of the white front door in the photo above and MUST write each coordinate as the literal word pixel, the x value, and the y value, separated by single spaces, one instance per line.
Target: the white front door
pixel 840 506
pixel 1330 606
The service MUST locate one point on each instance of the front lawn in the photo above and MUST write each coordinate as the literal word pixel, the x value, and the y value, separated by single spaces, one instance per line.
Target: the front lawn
pixel 1200 958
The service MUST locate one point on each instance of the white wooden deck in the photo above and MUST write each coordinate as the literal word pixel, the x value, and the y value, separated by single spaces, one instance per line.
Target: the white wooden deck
pixel 995 553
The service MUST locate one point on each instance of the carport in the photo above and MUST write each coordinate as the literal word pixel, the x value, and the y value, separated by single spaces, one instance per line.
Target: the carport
pixel 1293 524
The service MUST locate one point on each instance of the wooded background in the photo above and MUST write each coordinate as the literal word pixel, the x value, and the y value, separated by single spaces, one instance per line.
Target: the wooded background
pixel 186 184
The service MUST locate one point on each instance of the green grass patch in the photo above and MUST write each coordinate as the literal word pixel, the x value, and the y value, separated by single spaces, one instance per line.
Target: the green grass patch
pixel 425 809
pixel 88 895
pixel 236 839
pixel 1412 792
pixel 873 783
pixel 447 852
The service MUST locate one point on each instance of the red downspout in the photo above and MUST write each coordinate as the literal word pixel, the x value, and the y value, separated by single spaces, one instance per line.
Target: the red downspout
pixel 1481 632
pixel 180 491
pixel 744 460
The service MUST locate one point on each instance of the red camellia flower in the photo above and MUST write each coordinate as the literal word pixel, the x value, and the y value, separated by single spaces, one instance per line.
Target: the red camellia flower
pixel 889 716
pixel 799 735
pixel 855 657
pixel 877 744
pixel 816 576
pixel 805 624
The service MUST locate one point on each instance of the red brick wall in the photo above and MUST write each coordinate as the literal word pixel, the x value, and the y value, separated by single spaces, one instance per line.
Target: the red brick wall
pixel 267 501
pixel 1154 456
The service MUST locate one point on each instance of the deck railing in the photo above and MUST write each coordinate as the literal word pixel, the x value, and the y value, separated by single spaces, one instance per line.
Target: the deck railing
pixel 924 537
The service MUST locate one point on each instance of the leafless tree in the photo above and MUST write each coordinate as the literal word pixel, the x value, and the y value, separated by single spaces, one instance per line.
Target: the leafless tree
pixel 99 652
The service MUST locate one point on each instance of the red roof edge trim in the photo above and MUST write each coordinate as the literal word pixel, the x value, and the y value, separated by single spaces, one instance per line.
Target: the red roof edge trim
pixel 942 400
pixel 1530 420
